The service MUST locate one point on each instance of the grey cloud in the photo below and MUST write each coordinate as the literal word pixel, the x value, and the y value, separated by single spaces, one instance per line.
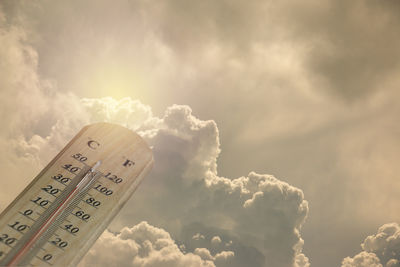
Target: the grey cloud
pixel 353 48
pixel 23 101
pixel 348 47
pixel 244 253
pixel 18 80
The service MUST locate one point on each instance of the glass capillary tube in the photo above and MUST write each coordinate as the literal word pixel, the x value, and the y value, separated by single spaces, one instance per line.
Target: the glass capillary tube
pixel 21 256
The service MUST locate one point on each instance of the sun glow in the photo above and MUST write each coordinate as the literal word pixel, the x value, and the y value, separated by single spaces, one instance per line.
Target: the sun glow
pixel 116 81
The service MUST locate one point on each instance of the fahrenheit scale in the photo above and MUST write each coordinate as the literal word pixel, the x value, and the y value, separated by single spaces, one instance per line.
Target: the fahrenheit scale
pixel 61 213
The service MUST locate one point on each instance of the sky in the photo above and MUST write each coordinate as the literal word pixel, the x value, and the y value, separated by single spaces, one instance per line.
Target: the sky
pixel 274 124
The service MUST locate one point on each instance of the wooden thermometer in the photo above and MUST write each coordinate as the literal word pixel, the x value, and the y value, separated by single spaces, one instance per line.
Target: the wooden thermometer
pixel 61 213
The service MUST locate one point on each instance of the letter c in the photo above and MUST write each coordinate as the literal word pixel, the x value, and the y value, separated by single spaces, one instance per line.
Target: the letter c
pixel 93 144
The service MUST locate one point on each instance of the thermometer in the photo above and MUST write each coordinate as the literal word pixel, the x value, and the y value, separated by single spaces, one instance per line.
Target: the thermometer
pixel 62 212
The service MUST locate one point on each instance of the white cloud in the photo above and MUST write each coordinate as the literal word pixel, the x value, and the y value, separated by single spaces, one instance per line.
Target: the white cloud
pixel 381 249
pixel 221 259
pixel 223 256
pixel 216 240
pixel 393 263
pixel 140 246
pixel 363 259
pixel 204 254
pixel 385 243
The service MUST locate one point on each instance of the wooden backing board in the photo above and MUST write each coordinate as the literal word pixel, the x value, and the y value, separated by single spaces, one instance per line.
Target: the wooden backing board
pixel 125 159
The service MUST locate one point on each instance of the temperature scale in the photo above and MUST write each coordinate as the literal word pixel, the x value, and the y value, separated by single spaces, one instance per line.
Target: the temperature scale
pixel 62 212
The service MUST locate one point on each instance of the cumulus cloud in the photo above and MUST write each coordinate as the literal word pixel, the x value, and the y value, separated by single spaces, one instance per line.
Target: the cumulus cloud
pixel 380 249
pixel 141 246
pixel 385 243
pixel 363 259
pixel 185 195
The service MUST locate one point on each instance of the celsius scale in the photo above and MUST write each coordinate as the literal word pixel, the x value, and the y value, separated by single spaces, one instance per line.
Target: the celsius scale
pixel 62 212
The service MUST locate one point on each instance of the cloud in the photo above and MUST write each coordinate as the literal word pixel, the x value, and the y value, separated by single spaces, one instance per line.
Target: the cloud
pixel 185 181
pixel 385 243
pixel 141 246
pixel 380 249
pixel 363 259
pixel 350 59
pixel 215 41
pixel 216 240
pixel 184 192
pixel 260 70
pixel 257 217
pixel 23 102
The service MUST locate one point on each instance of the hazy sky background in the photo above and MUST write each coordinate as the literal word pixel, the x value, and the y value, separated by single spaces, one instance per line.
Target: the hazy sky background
pixel 304 90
